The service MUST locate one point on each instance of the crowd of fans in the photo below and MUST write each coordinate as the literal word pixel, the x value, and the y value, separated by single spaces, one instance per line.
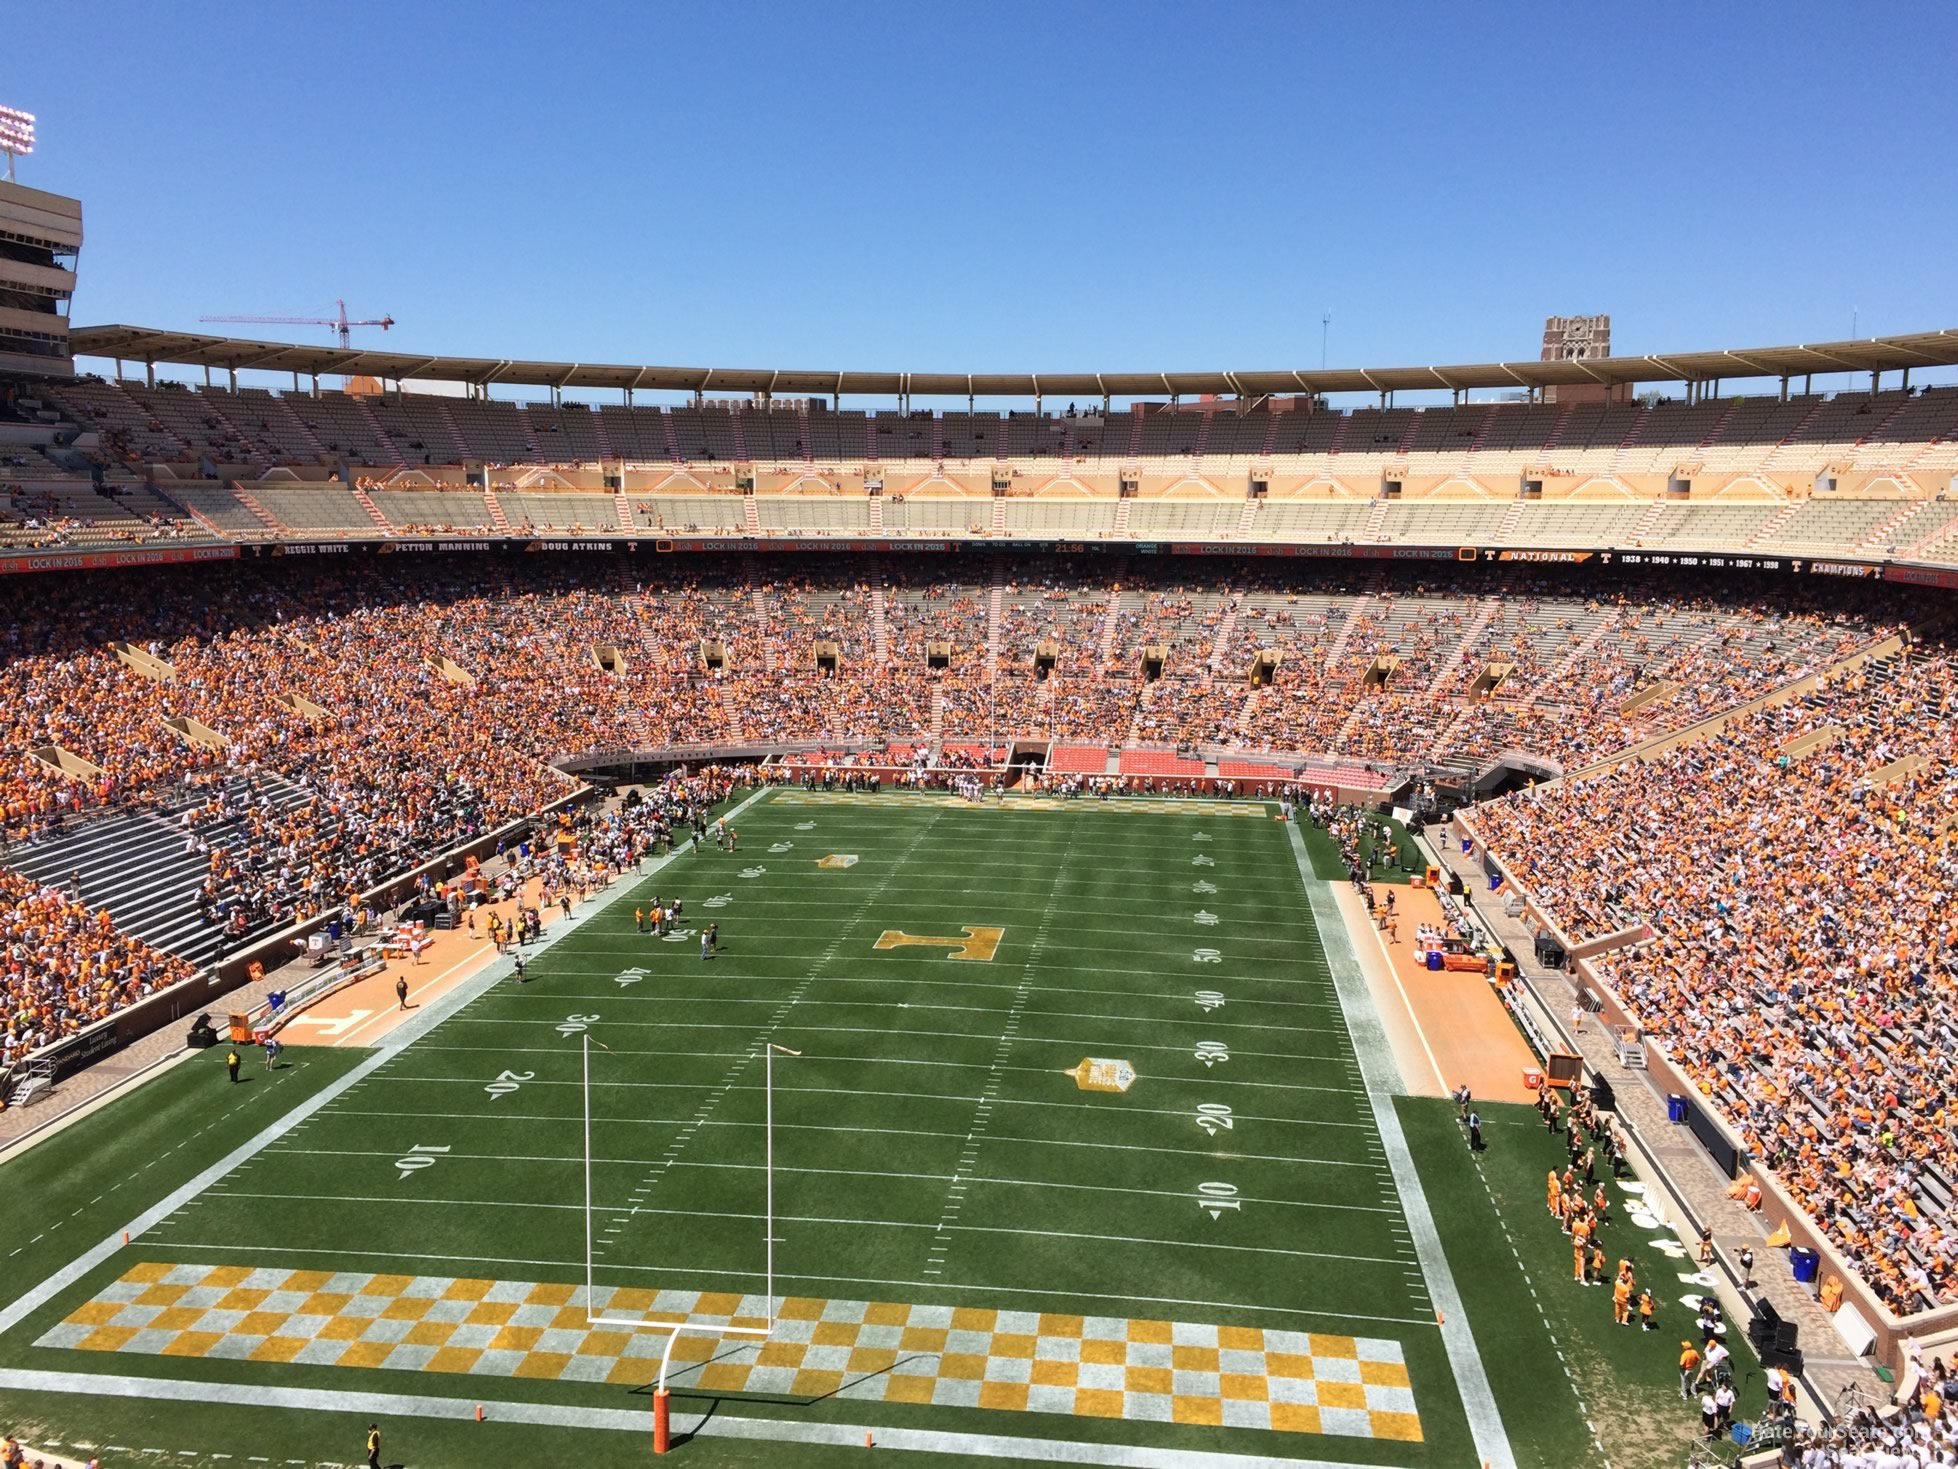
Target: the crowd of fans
pixel 1798 871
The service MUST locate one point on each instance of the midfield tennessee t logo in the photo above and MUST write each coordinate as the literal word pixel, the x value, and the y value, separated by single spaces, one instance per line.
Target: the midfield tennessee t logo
pixel 979 943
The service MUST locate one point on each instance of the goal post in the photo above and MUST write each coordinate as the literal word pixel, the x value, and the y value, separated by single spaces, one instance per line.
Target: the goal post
pixel 676 1329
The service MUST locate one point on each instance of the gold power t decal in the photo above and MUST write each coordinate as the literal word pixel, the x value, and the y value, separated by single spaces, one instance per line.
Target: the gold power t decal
pixel 978 944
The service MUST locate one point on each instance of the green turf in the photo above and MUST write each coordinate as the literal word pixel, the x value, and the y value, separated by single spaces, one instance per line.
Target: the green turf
pixel 1071 1202
pixel 1556 1360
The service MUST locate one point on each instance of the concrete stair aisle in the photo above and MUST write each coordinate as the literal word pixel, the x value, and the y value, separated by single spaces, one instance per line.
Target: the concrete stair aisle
pixel 871 452
pixel 999 441
pixel 998 526
pixel 806 432
pixel 496 515
pixel 1647 522
pixel 880 632
pixel 605 449
pixel 1814 408
pixel 375 427
pixel 1249 713
pixel 1451 735
pixel 150 420
pixel 1511 518
pixel 366 502
pixel 995 619
pixel 254 454
pixel 1247 518
pixel 1338 445
pixel 937 722
pixel 938 441
pixel 1570 660
pixel 1220 646
pixel 453 429
pixel 622 507
pixel 1771 527
pixel 877 515
pixel 1271 435
pixel 1375 527
pixel 1876 430
pixel 277 407
pixel 1105 642
pixel 1633 428
pixel 532 443
pixel 1720 423
pixel 1894 530
pixel 1345 634
pixel 750 515
pixel 1484 613
pixel 672 438
pixel 740 435
pixel 252 503
pixel 1135 430
pixel 1556 435
pixel 759 601
pixel 1203 434
pixel 1122 516
pixel 1479 440
pixel 1405 444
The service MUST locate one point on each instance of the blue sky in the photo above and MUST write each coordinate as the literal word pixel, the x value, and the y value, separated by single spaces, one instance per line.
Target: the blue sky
pixel 936 187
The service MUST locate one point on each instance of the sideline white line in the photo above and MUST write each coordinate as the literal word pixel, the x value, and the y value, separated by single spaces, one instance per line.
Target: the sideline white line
pixel 374 1405
pixel 1381 1080
pixel 390 1047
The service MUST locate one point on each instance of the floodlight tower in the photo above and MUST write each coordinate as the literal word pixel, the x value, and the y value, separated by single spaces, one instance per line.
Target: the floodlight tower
pixel 16 136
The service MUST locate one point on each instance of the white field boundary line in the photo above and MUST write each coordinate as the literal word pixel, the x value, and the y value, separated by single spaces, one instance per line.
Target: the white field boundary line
pixel 681 1271
pixel 375 1405
pixel 1381 1081
pixel 392 1045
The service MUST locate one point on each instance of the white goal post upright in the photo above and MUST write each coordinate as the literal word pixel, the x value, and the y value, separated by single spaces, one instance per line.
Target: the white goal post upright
pixel 676 1329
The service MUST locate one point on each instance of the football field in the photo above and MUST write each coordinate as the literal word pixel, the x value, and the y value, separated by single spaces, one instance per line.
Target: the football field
pixel 1076 1160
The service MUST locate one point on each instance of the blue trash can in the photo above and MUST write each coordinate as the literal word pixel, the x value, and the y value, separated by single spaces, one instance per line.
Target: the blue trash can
pixel 1675 1107
pixel 1804 1263
pixel 1434 959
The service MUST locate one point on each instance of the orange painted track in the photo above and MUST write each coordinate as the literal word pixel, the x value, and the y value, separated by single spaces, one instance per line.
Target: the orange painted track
pixel 1446 1027
pixel 362 1013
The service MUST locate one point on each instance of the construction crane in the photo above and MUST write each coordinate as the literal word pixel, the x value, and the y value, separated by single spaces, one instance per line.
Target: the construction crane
pixel 339 323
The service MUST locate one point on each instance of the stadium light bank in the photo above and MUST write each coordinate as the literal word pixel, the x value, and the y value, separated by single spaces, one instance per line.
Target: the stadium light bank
pixel 16 136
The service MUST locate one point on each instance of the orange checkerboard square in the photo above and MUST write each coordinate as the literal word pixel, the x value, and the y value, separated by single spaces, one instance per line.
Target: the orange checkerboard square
pixel 545 1366
pixel 1048 1373
pixel 324 1303
pixel 1295 1417
pixel 516 1338
pixel 1341 1394
pixel 973 1318
pixel 604 1344
pixel 1052 1325
pixel 923 1339
pixel 968 1366
pixel 311 1281
pixel 711 1303
pixel 366 1354
pixel 226 1275
pixel 1013 1344
pixel 1186 1409
pixel 260 1323
pixel 1243 1387
pixel 1403 1426
pixel 1156 1333
pixel 886 1313
pixel 723 1377
pixel 279 1349
pixel 176 1318
pixel 1288 1364
pixel 1334 1346
pixel 781 1354
pixel 406 1308
pixel 1383 1374
pixel 872 1359
pixel 241 1299
pixel 1194 1359
pixel 193 1343
pixel 453 1359
pixel 834 1334
pixel 1148 1379
pixel 149 1272
pixel 810 1383
pixel 1105 1353
pixel 344 1328
pixel 1241 1338
pixel 95 1313
pixel 1094 1402
pixel 467 1290
pixel 571 1318
pixel 798 1308
pixel 387 1285
pixel 554 1294
pixel 429 1333
pixel 491 1313
pixel 909 1388
pixel 161 1295
pixel 1009 1395
pixel 632 1301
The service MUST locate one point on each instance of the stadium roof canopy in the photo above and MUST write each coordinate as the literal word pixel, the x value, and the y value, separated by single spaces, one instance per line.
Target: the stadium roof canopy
pixel 1874 354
